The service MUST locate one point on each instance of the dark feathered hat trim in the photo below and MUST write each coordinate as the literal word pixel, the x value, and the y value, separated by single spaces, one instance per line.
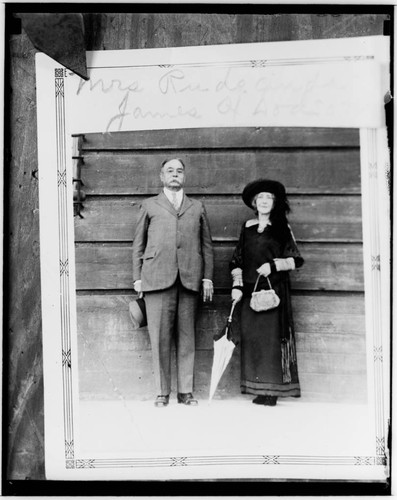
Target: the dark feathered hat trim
pixel 262 186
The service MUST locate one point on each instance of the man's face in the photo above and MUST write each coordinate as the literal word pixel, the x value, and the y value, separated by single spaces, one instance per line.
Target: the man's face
pixel 172 175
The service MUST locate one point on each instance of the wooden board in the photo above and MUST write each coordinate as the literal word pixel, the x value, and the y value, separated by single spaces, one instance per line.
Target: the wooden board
pixel 104 320
pixel 339 388
pixel 115 361
pixel 222 138
pixel 23 370
pixel 327 267
pixel 313 218
pixel 155 30
pixel 301 171
pixel 128 376
pixel 330 348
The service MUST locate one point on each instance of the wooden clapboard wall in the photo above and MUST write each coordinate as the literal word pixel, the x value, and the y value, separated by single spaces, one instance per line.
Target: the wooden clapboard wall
pixel 321 171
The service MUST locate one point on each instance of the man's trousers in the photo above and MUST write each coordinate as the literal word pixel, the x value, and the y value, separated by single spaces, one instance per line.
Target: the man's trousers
pixel 172 313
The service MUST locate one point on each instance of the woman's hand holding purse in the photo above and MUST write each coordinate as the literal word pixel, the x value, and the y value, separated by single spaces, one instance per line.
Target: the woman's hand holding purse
pixel 264 270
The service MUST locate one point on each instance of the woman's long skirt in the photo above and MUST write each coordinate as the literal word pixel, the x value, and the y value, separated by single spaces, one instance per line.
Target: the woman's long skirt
pixel 261 357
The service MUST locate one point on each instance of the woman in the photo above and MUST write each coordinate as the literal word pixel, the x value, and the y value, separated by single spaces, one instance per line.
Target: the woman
pixel 266 246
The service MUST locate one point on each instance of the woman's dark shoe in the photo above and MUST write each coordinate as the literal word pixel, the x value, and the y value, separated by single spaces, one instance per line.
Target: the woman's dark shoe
pixel 270 401
pixel 187 399
pixel 259 400
pixel 265 400
pixel 162 401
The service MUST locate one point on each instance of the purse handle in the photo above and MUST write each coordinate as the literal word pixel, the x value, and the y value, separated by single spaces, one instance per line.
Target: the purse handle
pixel 257 281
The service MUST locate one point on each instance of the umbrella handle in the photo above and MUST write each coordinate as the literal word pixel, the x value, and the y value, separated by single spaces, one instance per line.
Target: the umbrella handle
pixel 232 309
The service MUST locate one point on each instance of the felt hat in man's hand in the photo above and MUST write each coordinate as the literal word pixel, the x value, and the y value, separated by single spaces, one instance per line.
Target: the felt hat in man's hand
pixel 137 310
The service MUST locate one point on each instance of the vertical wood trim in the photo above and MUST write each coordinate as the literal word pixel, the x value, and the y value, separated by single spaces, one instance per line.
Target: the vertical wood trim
pixel 371 157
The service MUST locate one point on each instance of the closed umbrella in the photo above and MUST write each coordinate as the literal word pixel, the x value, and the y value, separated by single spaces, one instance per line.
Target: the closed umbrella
pixel 224 345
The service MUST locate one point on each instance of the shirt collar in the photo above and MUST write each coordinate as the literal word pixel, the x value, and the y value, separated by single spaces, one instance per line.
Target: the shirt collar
pixel 169 194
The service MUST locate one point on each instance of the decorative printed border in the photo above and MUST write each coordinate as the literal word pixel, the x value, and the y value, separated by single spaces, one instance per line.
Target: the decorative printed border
pixel 236 460
pixel 376 292
pixel 63 237
pixel 252 63
pixel 370 158
pixel 72 462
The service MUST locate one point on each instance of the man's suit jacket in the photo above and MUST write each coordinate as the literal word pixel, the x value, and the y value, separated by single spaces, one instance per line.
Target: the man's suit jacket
pixel 167 242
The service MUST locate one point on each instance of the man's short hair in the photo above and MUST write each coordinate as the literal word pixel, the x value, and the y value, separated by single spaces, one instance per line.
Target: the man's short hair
pixel 170 159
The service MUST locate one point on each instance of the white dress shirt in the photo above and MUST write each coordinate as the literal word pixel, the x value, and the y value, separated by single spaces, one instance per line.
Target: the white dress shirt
pixel 170 195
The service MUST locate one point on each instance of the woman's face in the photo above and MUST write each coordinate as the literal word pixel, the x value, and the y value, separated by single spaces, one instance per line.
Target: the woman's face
pixel 264 202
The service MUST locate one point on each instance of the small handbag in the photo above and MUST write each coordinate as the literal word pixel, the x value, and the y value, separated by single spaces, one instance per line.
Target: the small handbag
pixel 264 299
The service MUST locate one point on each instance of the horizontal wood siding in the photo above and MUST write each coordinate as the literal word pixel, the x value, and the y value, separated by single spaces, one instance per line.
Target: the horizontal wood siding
pixel 313 217
pixel 338 377
pixel 220 172
pixel 116 359
pixel 331 266
pixel 223 138
pixel 321 171
pixel 105 320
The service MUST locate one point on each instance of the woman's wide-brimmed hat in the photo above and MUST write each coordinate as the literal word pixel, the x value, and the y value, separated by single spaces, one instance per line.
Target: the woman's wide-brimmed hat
pixel 262 186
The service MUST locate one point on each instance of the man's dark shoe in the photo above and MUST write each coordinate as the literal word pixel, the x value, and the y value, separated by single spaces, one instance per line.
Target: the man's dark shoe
pixel 162 401
pixel 187 399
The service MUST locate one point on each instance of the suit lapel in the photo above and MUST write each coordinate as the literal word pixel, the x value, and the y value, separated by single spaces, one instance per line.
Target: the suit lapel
pixel 164 202
pixel 186 203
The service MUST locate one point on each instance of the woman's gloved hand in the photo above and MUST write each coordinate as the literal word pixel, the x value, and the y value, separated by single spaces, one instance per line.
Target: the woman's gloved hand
pixel 264 270
pixel 236 295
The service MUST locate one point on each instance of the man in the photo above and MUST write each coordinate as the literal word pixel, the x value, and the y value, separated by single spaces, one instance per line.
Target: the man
pixel 172 260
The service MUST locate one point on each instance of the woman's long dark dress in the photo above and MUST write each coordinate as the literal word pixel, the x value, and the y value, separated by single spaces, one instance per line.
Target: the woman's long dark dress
pixel 268 353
